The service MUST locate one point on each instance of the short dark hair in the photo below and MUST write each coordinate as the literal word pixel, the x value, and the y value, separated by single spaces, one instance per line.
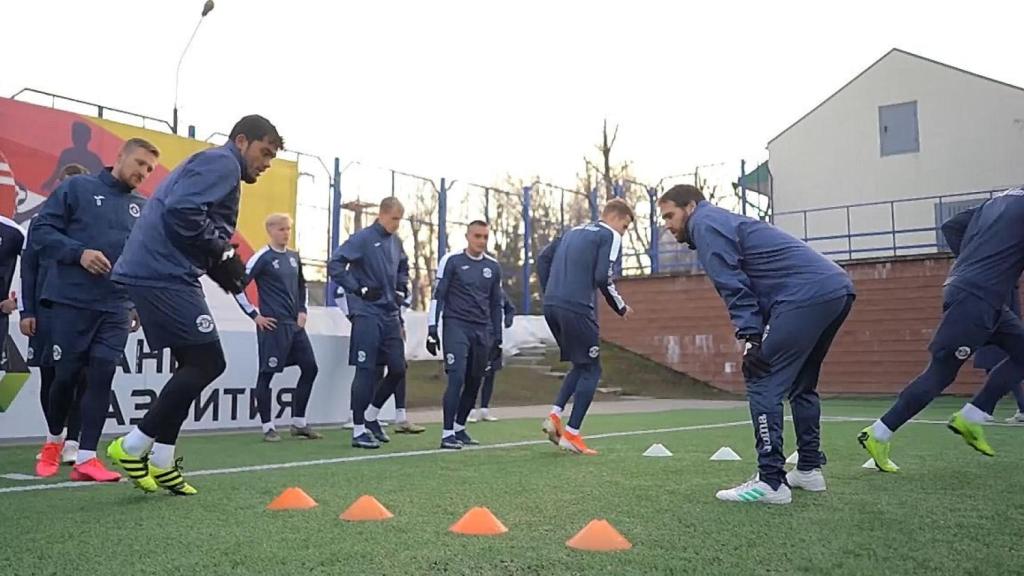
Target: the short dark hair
pixel 72 170
pixel 132 143
pixel 255 127
pixel 620 207
pixel 682 194
pixel 389 205
pixel 477 223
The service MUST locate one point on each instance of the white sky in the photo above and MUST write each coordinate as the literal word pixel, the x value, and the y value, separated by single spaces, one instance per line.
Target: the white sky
pixel 476 90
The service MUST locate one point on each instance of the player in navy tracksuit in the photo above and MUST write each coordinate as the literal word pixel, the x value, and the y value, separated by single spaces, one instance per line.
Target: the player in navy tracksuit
pixel 281 325
pixel 468 297
pixel 508 314
pixel 35 324
pixel 12 240
pixel 990 356
pixel 185 232
pixel 372 269
pixel 571 269
pixel 81 230
pixel 988 242
pixel 786 302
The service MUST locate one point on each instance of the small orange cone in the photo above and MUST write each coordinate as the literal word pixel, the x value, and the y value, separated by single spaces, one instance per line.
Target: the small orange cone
pixel 366 508
pixel 292 499
pixel 599 536
pixel 478 521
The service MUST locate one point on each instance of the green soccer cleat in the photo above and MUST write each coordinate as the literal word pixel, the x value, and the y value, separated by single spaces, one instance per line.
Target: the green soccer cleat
pixel 134 466
pixel 878 450
pixel 170 479
pixel 973 434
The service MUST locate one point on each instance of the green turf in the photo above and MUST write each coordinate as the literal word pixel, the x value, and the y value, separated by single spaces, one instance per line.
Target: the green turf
pixel 949 512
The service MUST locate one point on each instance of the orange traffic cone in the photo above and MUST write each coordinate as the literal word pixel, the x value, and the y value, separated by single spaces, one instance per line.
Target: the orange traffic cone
pixel 292 499
pixel 366 508
pixel 599 536
pixel 478 521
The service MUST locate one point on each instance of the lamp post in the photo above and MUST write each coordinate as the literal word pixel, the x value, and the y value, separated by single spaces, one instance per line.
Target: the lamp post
pixel 207 8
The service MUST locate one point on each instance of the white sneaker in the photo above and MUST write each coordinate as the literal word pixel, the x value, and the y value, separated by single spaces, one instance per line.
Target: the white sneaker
pixel 1017 418
pixel 754 490
pixel 472 417
pixel 70 452
pixel 485 416
pixel 810 480
pixel 989 418
pixel 348 425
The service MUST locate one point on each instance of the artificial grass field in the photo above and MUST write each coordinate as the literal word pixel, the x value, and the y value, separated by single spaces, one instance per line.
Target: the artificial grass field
pixel 950 510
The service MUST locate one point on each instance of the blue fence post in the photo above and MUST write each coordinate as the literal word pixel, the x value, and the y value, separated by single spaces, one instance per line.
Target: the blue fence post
pixel 335 238
pixel 593 204
pixel 192 131
pixel 617 190
pixel 442 216
pixel 743 191
pixel 561 213
pixel 487 205
pixel 892 222
pixel 652 193
pixel 527 233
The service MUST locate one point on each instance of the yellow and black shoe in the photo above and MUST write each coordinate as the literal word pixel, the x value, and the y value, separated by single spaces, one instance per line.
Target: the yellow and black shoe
pixel 134 466
pixel 170 479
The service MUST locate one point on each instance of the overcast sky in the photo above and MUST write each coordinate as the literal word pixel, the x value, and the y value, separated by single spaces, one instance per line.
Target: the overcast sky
pixel 475 90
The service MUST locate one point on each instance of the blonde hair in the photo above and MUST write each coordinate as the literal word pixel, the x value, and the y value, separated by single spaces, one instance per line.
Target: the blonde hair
pixel 276 219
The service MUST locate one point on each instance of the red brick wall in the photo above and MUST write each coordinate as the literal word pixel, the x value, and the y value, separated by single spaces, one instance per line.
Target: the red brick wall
pixel 682 323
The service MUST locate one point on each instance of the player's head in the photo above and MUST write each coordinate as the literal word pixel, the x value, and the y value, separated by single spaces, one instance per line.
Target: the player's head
pixel 80 134
pixel 279 229
pixel 477 235
pixel 618 214
pixel 390 214
pixel 258 141
pixel 71 170
pixel 676 206
pixel 135 161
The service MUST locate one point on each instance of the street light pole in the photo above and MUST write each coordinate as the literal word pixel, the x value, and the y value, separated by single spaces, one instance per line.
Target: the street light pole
pixel 207 8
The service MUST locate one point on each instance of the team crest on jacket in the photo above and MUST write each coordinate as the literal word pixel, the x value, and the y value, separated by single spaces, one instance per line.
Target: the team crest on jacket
pixel 488 273
pixel 293 261
pixel 450 358
pixel 56 353
pixel 963 353
pixel 594 351
pixel 204 323
pixel 361 356
pixel 30 353
pixel 272 362
pixel 134 210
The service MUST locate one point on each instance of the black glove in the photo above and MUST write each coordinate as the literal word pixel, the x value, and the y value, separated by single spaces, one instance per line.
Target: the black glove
pixel 755 364
pixel 370 294
pixel 229 272
pixel 495 353
pixel 508 320
pixel 432 341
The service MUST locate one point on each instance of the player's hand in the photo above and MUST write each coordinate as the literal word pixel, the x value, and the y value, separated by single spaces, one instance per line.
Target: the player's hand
pixel 755 363
pixel 433 341
pixel 370 294
pixel 229 272
pixel 133 321
pixel 509 318
pixel 495 353
pixel 301 320
pixel 265 323
pixel 9 305
pixel 627 311
pixel 28 326
pixel 94 261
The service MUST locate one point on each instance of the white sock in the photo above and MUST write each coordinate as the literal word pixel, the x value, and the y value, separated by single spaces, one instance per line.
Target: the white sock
pixel 974 414
pixel 400 415
pixel 447 433
pixel 483 413
pixel 136 443
pixel 571 430
pixel 268 426
pixel 880 431
pixel 71 444
pixel 298 422
pixel 556 410
pixel 371 413
pixel 84 456
pixel 459 427
pixel 358 430
pixel 50 438
pixel 163 455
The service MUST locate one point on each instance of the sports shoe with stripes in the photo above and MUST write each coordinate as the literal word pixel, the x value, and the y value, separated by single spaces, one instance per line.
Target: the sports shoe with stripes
pixel 135 467
pixel 170 479
pixel 754 491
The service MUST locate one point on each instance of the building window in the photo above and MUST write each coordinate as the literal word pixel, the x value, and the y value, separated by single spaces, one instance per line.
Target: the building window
pixel 897 129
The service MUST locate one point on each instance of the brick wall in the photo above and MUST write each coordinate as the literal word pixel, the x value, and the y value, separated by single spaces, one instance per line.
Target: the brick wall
pixel 682 323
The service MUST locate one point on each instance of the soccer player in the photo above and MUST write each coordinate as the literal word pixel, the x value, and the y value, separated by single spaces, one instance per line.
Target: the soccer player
pixel 468 296
pixel 184 232
pixel 988 242
pixel 281 325
pixel 570 270
pixel 508 312
pixel 82 230
pixel 990 356
pixel 787 302
pixel 35 324
pixel 372 268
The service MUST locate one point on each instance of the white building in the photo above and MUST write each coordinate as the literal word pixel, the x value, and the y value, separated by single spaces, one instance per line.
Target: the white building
pixel 906 127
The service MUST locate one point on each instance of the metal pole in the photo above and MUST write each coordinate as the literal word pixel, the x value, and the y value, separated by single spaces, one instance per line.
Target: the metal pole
pixel 593 204
pixel 892 223
pixel 527 233
pixel 652 194
pixel 743 190
pixel 849 237
pixel 392 183
pixel 442 215
pixel 487 205
pixel 335 237
pixel 561 212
